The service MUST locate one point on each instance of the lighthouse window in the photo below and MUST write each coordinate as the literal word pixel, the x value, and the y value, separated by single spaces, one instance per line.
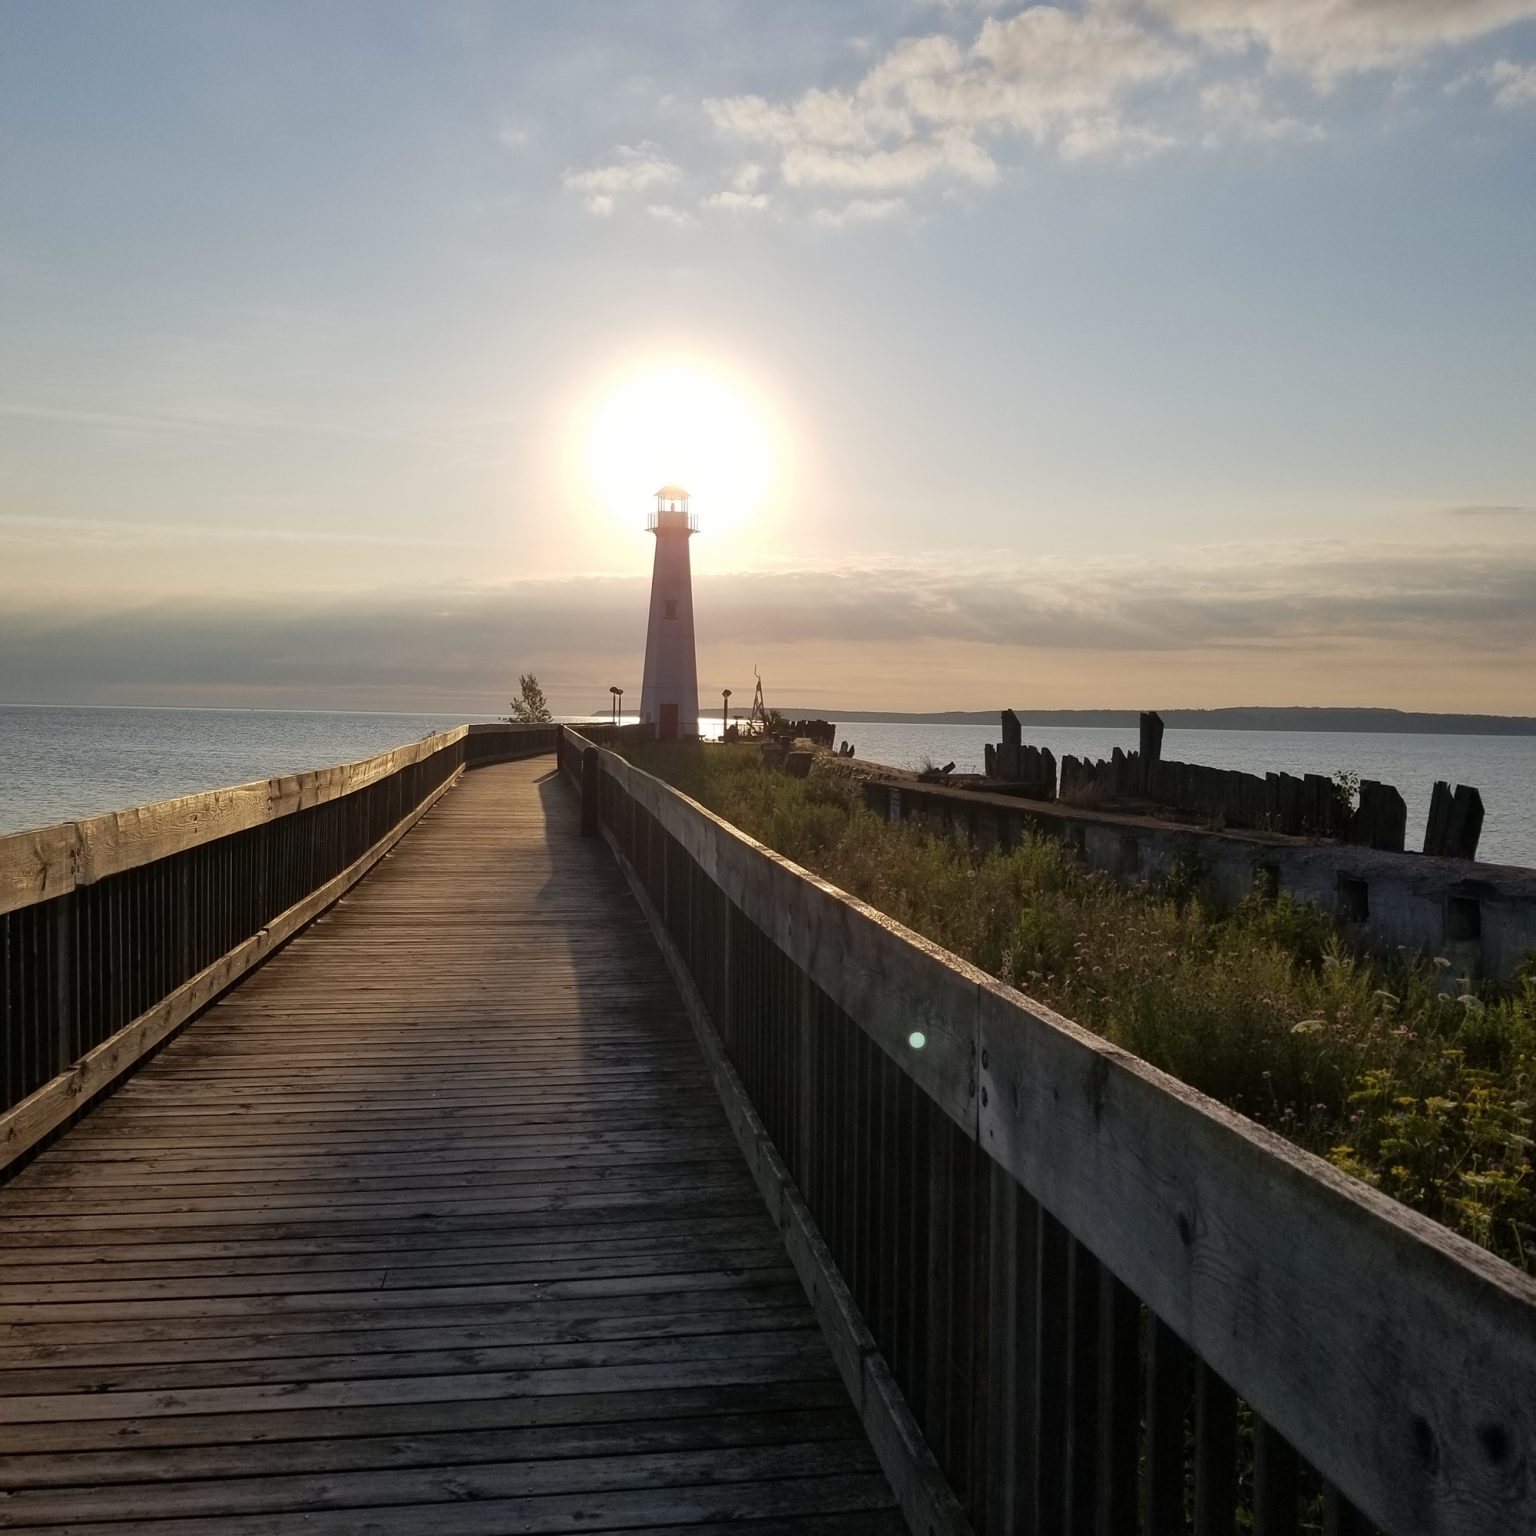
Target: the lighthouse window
pixel 671 612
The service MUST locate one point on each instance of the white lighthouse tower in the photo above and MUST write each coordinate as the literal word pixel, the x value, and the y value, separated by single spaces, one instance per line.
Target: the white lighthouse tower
pixel 670 693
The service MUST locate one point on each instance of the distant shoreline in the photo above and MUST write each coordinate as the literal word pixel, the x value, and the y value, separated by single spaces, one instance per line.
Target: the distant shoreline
pixel 1386 722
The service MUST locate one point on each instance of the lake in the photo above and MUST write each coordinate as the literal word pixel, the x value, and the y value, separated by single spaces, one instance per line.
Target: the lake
pixel 58 764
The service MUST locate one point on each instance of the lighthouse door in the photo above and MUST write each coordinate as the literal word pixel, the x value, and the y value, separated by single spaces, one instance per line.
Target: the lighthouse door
pixel 668 722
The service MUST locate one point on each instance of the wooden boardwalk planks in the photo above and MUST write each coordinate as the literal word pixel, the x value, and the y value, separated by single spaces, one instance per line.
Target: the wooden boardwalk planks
pixel 435 1224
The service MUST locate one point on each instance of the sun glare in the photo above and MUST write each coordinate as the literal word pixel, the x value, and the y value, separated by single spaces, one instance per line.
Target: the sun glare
pixel 680 424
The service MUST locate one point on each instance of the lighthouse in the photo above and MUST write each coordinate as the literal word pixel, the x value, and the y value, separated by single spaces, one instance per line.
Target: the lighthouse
pixel 669 695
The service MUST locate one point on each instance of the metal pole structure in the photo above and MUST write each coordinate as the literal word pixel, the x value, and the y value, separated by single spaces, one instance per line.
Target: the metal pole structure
pixel 725 711
pixel 618 715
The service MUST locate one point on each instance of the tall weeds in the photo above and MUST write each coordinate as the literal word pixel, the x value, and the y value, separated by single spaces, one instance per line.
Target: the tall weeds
pixel 1400 1075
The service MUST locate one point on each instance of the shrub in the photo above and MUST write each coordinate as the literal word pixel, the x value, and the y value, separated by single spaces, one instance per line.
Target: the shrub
pixel 1417 1085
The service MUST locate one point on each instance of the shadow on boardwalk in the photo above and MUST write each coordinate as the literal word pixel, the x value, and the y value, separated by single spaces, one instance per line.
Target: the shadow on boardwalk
pixel 434 1224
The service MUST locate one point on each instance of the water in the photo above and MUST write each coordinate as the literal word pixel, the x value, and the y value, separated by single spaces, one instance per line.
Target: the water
pixel 60 764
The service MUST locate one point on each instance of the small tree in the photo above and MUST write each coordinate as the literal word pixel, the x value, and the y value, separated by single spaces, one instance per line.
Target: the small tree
pixel 530 707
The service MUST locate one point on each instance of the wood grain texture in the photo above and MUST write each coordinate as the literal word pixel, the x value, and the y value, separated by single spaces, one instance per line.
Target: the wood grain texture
pixel 434 1223
pixel 896 984
pixel 45 862
pixel 925 1498
pixel 1398 1358
pixel 37 865
pixel 25 1124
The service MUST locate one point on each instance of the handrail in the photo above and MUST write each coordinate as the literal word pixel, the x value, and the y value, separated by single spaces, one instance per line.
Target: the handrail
pixel 116 929
pixel 51 861
pixel 1075 1268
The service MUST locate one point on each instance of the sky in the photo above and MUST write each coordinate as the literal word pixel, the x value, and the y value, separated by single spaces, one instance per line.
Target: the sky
pixel 1137 353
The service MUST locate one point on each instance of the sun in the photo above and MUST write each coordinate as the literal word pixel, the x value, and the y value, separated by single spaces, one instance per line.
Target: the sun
pixel 685 424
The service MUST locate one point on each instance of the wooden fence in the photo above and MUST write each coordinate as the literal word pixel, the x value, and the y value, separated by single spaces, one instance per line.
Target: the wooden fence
pixel 114 931
pixel 1095 1300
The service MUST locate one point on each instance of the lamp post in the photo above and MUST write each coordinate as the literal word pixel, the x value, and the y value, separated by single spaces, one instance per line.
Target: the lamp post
pixel 725 712
pixel 618 693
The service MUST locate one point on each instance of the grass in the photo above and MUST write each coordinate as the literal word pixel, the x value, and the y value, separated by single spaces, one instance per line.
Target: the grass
pixel 1398 1074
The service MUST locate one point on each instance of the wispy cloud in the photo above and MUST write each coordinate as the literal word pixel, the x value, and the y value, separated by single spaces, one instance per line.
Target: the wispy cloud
pixel 17 529
pixel 667 213
pixel 1513 85
pixel 732 201
pixel 1484 510
pixel 862 210
pixel 1108 80
pixel 1239 107
pixel 1411 603
pixel 204 416
pixel 921 112
pixel 1330 38
pixel 634 168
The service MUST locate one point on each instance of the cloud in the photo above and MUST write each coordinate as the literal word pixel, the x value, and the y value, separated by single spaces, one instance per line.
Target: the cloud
pixel 1479 510
pixel 634 168
pixel 1239 107
pixel 738 202
pixel 1513 85
pixel 861 210
pixel 1110 80
pixel 1041 70
pixel 1329 38
pixel 1236 608
pixel 907 165
pixel 832 119
pixel 922 112
pixel 1095 137
pixel 665 213
pixel 57 531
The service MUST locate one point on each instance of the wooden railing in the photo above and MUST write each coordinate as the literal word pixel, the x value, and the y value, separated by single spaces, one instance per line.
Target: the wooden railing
pixel 1097 1301
pixel 116 930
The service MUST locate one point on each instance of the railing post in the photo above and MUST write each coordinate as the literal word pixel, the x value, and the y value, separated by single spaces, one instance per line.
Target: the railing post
pixel 805 1110
pixel 591 783
pixel 63 968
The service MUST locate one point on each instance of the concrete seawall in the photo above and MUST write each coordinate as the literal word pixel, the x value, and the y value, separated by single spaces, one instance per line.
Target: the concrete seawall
pixel 1480 917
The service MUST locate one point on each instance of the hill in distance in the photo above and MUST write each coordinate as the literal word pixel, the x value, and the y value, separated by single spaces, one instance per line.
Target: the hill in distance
pixel 1251 718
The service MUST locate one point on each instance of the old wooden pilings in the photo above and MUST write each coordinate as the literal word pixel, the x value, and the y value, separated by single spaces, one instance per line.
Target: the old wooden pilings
pixel 1381 818
pixel 1005 757
pixel 822 732
pixel 1309 805
pixel 1455 821
pixel 1151 748
pixel 1029 771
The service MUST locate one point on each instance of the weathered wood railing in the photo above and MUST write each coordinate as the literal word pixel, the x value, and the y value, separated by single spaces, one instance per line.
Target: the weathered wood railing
pixel 1103 1303
pixel 116 930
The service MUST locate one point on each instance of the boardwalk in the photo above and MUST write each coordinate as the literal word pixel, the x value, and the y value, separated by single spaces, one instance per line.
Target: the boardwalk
pixel 434 1225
